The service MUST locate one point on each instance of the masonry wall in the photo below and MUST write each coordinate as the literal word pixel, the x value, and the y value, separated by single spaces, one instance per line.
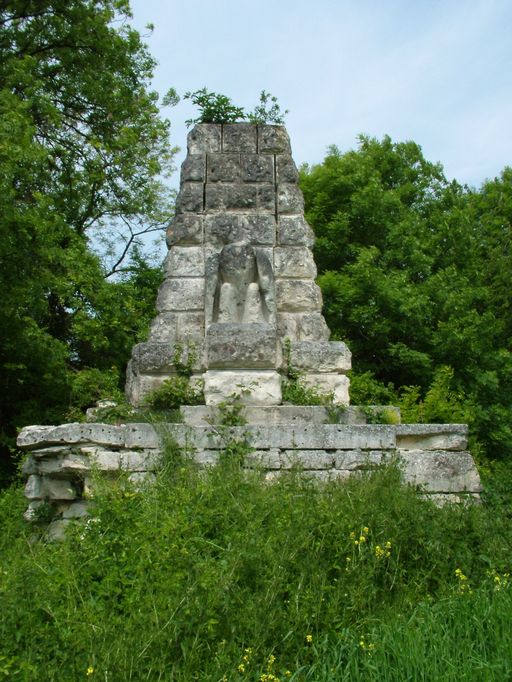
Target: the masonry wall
pixel 61 459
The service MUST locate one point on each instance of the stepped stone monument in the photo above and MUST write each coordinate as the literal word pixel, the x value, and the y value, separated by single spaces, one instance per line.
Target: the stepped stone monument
pixel 239 283
pixel 239 304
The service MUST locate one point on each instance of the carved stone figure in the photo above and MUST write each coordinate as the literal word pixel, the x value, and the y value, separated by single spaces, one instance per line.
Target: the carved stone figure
pixel 243 286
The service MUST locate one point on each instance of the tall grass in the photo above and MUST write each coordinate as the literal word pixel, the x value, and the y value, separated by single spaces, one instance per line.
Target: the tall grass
pixel 216 576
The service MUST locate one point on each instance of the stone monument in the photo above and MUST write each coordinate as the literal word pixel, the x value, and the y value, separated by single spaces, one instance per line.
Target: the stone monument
pixel 239 283
pixel 239 304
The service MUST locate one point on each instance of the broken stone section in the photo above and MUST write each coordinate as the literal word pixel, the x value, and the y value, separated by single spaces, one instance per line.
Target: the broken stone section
pixel 240 276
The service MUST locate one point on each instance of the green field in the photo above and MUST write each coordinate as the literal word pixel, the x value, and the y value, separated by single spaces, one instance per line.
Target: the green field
pixel 216 576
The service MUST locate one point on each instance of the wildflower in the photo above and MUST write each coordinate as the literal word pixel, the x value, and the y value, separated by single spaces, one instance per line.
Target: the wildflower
pixel 90 671
pixel 366 530
pixel 463 581
pixel 287 673
pixel 270 662
pixel 382 553
pixel 369 647
pixel 241 668
pixel 309 639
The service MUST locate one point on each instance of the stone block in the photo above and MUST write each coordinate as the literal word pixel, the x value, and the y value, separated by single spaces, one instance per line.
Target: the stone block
pixel 307 459
pixel 258 229
pixel 42 488
pixel 293 230
pixel 440 471
pixel 257 168
pixel 239 137
pixel 298 295
pixel 358 460
pixel 202 415
pixel 243 346
pixel 266 201
pixel 256 388
pixel 321 356
pixel 184 261
pixel 190 198
pixel 29 466
pixel 289 198
pixel 139 479
pixel 139 386
pixel 223 167
pixel 185 228
pixel 286 169
pixel 294 262
pixel 230 197
pixel 432 436
pixel 264 459
pixel 75 510
pixel 206 458
pixel 136 460
pixel 221 229
pixel 142 436
pixel 72 463
pixel 56 530
pixel 286 326
pixel 204 137
pixel 32 437
pixel 164 328
pixel 105 460
pixel 185 293
pixel 312 327
pixel 191 328
pixel 193 169
pixel 335 385
pixel 273 139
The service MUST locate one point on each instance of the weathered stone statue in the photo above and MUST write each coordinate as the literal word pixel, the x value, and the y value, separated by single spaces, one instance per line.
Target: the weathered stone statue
pixel 240 276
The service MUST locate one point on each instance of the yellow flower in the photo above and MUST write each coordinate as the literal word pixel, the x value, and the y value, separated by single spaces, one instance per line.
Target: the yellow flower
pixel 287 673
pixel 366 530
pixel 241 668
pixel 309 639
pixel 90 671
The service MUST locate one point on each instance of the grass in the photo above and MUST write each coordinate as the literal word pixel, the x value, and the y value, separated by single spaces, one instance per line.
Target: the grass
pixel 215 576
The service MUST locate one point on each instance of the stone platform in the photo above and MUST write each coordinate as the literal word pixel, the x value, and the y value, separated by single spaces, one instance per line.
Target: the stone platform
pixel 61 459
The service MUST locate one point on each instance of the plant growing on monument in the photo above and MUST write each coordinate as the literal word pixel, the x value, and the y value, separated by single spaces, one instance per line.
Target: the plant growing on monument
pixel 213 108
pixel 267 111
pixel 217 108
pixel 294 390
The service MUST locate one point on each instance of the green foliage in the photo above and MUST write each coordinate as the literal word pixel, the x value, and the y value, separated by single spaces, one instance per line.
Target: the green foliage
pixel 202 572
pixel 294 391
pixel 173 393
pixel 213 108
pixel 82 151
pixel 216 108
pixel 267 111
pixel 415 272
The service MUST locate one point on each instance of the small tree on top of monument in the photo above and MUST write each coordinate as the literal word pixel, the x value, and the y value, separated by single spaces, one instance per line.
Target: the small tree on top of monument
pixel 217 108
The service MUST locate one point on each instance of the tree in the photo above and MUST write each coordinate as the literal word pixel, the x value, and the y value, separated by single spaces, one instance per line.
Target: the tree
pixel 82 148
pixel 403 263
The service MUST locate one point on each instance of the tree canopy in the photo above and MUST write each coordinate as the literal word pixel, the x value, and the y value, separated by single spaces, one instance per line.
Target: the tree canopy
pixel 82 148
pixel 415 272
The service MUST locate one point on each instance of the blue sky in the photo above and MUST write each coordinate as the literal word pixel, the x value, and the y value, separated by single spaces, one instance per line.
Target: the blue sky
pixel 436 72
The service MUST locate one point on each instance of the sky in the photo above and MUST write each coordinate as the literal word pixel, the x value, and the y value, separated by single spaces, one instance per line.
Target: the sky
pixel 437 72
